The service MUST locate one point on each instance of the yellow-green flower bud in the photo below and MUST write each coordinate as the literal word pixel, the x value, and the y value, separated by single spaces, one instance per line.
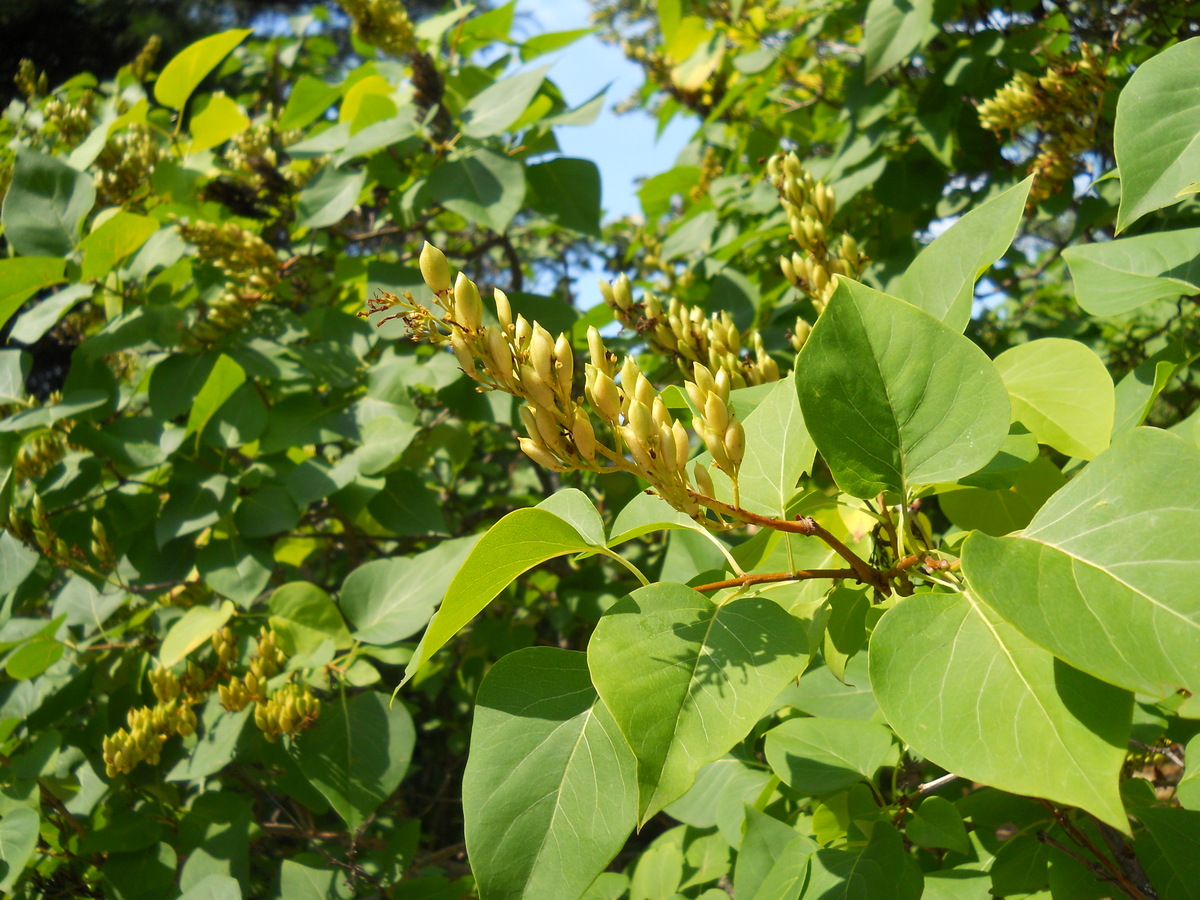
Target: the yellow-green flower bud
pixel 622 292
pixel 540 455
pixel 735 443
pixel 434 268
pixel 716 414
pixel 605 396
pixel 564 362
pixel 462 352
pixel 682 446
pixel 503 309
pixel 704 482
pixel 468 305
pixel 583 435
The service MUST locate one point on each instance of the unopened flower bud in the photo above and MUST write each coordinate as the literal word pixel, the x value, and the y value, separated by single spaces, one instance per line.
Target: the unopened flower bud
pixel 434 268
pixel 503 309
pixel 704 482
pixel 468 306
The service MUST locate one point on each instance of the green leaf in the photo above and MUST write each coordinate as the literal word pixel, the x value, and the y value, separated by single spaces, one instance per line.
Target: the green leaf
pixel 575 508
pixel 18 839
pixel 329 197
pixel 942 279
pixel 407 506
pixel 305 617
pixel 549 792
pixel 298 882
pixel 309 99
pixel 45 205
pixel 14 369
pixel 1154 136
pixel 214 887
pixel 32 659
pixel 1170 851
pixel 817 756
pixel 1116 277
pixel 937 823
pixel 225 377
pixel 686 679
pixel 883 868
pixel 1062 393
pixel 484 188
pixel 567 190
pixel 267 511
pixel 719 797
pixel 894 398
pixel 773 859
pixel 188 68
pixel 1188 789
pixel 1002 511
pixel 514 545
pixel 555 40
pixel 388 600
pixel 970 693
pixel 23 276
pixel 893 31
pixel 214 120
pixel 778 451
pixel 191 630
pixel 120 235
pixel 1137 391
pixel 497 107
pixel 645 514
pixel 1102 576
pixel 357 753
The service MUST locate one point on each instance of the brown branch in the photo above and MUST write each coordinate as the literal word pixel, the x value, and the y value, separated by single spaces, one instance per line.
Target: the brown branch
pixel 776 577
pixel 807 526
pixel 1118 876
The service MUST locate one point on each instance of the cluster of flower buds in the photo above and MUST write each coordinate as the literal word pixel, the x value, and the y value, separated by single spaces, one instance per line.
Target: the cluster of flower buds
pixel 39 452
pixel 148 730
pixel 524 360
pixel 688 336
pixel 1063 105
pixel 290 709
pixel 33 527
pixel 810 206
pixel 254 152
pixel 70 121
pixel 144 61
pixel 29 81
pixel 249 264
pixel 124 166
pixel 224 645
pixel 384 24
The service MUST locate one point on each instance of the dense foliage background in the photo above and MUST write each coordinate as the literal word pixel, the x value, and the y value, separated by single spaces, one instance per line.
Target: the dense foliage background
pixel 233 503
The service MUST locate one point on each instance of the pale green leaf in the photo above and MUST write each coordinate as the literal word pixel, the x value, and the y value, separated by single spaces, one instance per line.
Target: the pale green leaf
pixel 1170 851
pixel 518 542
pixel 225 377
pixel 388 600
pixel 942 278
pixel 883 868
pixel 329 197
pixel 1004 510
pixel 192 630
pixel 893 31
pixel 305 617
pixel 183 74
pixel 45 206
pixel 937 823
pixel 1061 392
pixel 32 659
pixel 1116 277
pixel 1104 576
pixel 236 568
pixel 970 693
pixel 549 793
pixel 18 839
pixel 819 755
pixel 555 40
pixel 119 236
pixel 214 887
pixel 308 100
pixel 894 398
pixel 773 859
pixel 357 753
pixel 686 679
pixel 214 120
pixel 23 276
pixel 1156 136
pixel 497 107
